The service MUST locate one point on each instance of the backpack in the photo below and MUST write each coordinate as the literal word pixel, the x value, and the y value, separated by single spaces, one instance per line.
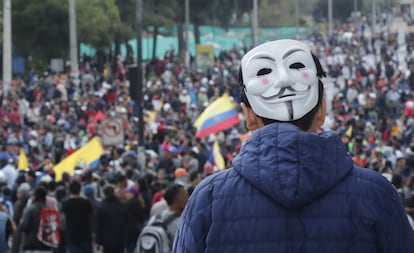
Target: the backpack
pixel 154 237
pixel 49 226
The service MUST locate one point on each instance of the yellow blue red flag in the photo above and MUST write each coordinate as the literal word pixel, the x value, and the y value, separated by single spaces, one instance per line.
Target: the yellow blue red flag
pixel 218 157
pixel 88 155
pixel 218 116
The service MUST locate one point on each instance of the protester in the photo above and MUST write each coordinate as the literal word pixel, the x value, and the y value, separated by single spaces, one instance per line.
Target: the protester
pixel 78 213
pixel 111 224
pixel 176 197
pixel 30 223
pixel 291 187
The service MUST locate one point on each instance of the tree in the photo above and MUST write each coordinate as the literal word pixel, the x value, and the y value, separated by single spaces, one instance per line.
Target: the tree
pixel 276 13
pixel 41 31
pixel 98 21
pixel 127 29
pixel 159 13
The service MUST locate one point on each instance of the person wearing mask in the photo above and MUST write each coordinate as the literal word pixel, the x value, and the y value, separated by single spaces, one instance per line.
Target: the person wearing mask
pixel 292 188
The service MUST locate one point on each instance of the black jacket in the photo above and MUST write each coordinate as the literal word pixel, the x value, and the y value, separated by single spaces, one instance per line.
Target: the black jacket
pixel 111 222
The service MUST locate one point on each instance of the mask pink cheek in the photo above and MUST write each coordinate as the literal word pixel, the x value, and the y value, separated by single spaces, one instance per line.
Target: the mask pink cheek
pixel 305 74
pixel 265 81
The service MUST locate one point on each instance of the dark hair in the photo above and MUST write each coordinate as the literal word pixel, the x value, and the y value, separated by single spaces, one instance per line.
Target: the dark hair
pixel 193 175
pixel 6 191
pixel 303 123
pixel 109 191
pixel 40 194
pixel 121 178
pixel 171 193
pixel 397 181
pixel 60 193
pixel 75 187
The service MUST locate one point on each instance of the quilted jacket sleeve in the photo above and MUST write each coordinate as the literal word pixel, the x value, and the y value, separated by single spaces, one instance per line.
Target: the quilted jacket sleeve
pixel 195 220
pixel 401 236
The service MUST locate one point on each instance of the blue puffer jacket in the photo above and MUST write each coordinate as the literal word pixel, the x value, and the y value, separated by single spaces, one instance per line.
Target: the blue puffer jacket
pixel 294 192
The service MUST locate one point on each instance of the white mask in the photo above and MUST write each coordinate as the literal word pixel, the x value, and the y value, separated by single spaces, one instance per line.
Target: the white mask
pixel 280 79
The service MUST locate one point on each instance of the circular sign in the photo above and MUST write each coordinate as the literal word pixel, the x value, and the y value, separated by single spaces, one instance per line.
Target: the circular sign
pixel 112 128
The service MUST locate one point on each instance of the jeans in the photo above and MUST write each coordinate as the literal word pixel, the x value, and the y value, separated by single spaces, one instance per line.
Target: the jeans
pixel 83 247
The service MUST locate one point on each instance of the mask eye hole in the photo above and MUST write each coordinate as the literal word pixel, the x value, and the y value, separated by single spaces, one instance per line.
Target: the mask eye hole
pixel 297 65
pixel 264 71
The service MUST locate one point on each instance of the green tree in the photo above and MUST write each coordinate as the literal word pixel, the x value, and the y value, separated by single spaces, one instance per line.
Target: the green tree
pixel 276 13
pixel 41 31
pixel 97 21
pixel 127 29
pixel 157 14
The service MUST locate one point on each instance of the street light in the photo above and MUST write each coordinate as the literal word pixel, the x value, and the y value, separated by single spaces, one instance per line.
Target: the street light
pixel 73 43
pixel 296 17
pixel 254 23
pixel 330 18
pixel 7 52
pixel 187 34
pixel 139 97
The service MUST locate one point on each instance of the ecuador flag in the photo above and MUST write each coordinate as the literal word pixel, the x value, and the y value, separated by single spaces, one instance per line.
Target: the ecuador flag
pixel 87 155
pixel 218 116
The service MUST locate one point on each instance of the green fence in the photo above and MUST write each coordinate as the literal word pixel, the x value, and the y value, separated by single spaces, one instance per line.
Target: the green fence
pixel 220 38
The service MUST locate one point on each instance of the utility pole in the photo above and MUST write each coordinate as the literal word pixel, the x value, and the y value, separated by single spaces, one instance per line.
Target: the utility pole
pixel 330 18
pixel 374 18
pixel 139 100
pixel 187 34
pixel 297 18
pixel 73 41
pixel 7 50
pixel 255 23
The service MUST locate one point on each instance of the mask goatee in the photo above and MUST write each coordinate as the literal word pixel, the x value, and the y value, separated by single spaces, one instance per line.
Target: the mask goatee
pixel 290 109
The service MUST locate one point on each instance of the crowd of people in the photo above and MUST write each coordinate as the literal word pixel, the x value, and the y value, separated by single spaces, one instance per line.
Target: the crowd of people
pixel 50 115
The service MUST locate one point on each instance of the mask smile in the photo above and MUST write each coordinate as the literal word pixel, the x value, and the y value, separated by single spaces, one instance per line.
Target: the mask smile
pixel 284 95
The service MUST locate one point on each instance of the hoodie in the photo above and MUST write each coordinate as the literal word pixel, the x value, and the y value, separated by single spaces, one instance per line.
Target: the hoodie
pixel 292 191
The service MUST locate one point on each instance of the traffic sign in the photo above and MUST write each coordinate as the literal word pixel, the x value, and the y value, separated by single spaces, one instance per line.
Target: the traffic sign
pixel 112 131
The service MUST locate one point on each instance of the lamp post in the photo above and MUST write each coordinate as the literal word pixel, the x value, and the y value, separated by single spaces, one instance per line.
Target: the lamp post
pixel 7 51
pixel 330 18
pixel 73 41
pixel 187 34
pixel 254 23
pixel 139 97
pixel 296 18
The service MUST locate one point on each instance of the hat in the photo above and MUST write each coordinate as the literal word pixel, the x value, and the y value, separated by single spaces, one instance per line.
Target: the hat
pixel 88 191
pixel 281 79
pixel 211 138
pixel 133 189
pixel 195 150
pixel 180 172
pixel 172 149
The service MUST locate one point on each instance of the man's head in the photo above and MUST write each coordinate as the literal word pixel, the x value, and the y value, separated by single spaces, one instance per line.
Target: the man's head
pixel 176 197
pixel 280 82
pixel 40 194
pixel 75 187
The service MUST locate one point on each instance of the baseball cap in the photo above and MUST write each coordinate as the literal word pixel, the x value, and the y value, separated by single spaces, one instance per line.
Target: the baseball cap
pixel 180 172
pixel 281 79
